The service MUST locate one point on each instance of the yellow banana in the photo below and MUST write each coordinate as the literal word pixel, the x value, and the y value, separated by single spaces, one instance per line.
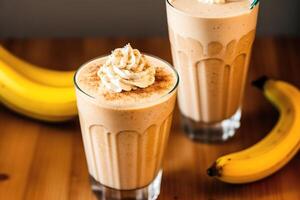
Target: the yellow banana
pixel 276 149
pixel 34 99
pixel 38 74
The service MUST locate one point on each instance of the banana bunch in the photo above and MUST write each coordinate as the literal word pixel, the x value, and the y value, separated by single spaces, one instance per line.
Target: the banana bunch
pixel 276 149
pixel 36 92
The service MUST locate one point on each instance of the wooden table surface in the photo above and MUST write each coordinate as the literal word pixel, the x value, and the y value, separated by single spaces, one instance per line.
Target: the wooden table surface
pixel 40 161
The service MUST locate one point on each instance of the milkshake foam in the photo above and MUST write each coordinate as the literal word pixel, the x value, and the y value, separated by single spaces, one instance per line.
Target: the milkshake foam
pixel 89 81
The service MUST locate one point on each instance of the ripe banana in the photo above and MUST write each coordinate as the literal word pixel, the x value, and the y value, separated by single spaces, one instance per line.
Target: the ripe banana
pixel 34 99
pixel 276 149
pixel 38 74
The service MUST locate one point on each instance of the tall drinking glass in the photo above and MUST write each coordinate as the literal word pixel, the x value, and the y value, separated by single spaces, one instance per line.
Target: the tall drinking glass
pixel 125 135
pixel 211 47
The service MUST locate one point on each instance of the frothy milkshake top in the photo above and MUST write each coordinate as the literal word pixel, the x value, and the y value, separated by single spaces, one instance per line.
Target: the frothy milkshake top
pixel 126 77
pixel 213 8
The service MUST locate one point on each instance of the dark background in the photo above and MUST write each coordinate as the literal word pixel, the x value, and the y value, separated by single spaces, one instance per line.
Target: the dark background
pixel 79 18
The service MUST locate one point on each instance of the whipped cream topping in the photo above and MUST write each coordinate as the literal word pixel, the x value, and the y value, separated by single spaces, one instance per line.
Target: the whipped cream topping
pixel 126 69
pixel 213 1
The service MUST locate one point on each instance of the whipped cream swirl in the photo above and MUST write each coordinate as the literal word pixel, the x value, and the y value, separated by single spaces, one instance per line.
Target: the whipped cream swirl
pixel 213 1
pixel 126 69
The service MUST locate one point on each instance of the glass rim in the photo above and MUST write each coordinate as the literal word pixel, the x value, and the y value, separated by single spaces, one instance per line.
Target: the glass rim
pixel 207 18
pixel 146 54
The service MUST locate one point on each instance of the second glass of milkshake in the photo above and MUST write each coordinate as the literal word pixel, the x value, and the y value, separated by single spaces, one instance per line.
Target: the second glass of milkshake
pixel 125 104
pixel 211 43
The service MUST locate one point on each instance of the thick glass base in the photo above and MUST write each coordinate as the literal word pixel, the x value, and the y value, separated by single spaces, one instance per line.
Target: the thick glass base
pixel 211 132
pixel 150 192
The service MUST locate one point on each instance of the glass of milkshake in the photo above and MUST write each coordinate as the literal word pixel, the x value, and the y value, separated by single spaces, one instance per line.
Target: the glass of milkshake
pixel 211 43
pixel 125 104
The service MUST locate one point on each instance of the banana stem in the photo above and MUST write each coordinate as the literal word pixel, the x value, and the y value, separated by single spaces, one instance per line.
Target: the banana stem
pixel 214 170
pixel 260 82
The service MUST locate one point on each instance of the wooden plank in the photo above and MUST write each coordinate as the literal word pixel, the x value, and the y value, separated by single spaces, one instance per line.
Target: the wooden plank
pixel 18 140
pixel 51 164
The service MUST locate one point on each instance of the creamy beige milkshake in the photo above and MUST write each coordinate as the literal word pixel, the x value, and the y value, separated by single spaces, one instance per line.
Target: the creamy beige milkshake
pixel 211 43
pixel 125 104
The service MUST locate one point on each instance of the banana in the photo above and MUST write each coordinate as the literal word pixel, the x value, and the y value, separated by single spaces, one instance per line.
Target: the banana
pixel 38 74
pixel 276 149
pixel 33 99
